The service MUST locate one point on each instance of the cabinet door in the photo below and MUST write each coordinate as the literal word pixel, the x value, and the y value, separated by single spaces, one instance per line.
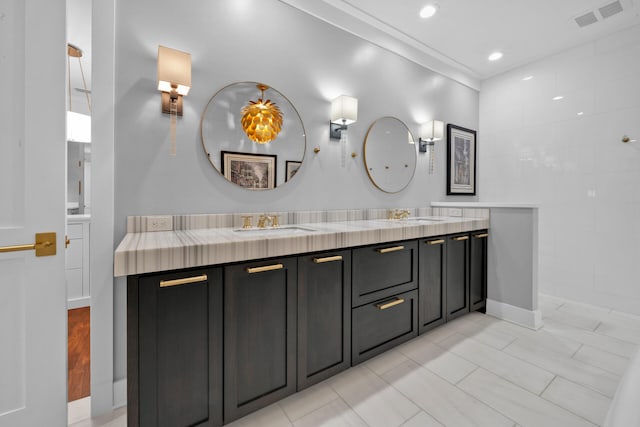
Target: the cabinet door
pixel 478 270
pixel 381 271
pixel 383 324
pixel 457 300
pixel 432 283
pixel 259 335
pixel 324 316
pixel 174 325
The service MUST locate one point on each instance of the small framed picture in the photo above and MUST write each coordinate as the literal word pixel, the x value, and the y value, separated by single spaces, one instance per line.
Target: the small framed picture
pixel 251 171
pixel 461 161
pixel 292 169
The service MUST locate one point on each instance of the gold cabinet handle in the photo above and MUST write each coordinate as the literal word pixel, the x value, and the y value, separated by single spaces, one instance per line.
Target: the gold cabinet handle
pixel 385 305
pixel 45 245
pixel 264 268
pixel 327 259
pixel 391 249
pixel 185 281
pixel 435 242
pixel 460 238
pixel 481 236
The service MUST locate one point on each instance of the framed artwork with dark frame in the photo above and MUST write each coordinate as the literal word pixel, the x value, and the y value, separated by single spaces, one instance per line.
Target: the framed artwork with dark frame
pixel 251 171
pixel 292 168
pixel 461 161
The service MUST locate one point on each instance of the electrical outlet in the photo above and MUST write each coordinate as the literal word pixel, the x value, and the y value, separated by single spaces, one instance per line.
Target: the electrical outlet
pixel 160 223
pixel 455 212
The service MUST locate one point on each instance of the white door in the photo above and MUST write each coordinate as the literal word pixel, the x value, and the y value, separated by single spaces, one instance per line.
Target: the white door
pixel 33 319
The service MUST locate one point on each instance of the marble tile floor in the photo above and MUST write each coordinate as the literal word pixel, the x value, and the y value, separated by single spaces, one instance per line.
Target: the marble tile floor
pixel 473 371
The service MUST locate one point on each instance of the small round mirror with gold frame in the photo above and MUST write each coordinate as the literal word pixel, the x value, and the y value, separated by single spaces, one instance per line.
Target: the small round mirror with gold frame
pixel 253 135
pixel 390 154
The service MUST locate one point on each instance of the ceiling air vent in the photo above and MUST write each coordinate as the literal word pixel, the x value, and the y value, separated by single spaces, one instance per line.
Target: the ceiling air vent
pixel 587 19
pixel 610 9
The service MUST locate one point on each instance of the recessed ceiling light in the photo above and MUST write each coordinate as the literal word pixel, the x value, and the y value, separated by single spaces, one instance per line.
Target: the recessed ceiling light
pixel 429 10
pixel 558 98
pixel 495 56
pixel 580 113
pixel 527 78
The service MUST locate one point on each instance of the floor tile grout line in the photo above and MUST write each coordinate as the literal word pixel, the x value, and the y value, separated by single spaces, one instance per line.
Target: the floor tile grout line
pixel 576 352
pixel 583 385
pixel 547 386
pixel 569 410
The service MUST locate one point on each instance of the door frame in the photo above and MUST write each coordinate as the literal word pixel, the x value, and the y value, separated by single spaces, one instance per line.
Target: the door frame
pixel 103 398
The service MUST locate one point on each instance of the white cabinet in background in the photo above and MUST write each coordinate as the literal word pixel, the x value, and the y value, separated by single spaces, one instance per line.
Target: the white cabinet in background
pixel 77 261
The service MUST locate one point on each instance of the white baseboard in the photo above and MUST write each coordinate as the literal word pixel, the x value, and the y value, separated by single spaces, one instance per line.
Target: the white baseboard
pixel 531 319
pixel 119 393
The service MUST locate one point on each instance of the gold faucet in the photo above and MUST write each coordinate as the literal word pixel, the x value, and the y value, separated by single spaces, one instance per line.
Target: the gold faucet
pixel 398 214
pixel 263 220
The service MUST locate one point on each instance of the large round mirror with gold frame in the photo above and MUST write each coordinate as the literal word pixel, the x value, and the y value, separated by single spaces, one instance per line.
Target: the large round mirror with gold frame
pixel 390 154
pixel 253 135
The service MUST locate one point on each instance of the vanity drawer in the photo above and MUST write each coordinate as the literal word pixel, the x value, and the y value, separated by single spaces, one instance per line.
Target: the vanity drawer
pixel 383 324
pixel 381 271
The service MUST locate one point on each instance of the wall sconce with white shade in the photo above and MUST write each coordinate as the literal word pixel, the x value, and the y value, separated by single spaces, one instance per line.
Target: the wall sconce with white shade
pixel 174 81
pixel 430 132
pixel 344 111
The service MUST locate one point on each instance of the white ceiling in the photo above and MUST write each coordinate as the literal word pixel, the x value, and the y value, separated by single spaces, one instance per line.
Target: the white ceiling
pixel 460 37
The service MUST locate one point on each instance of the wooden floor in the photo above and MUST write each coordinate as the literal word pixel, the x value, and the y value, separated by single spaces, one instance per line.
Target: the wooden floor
pixel 79 374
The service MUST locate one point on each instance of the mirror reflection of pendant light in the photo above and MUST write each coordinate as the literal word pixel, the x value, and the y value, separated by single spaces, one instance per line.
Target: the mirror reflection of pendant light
pixel 261 120
pixel 78 125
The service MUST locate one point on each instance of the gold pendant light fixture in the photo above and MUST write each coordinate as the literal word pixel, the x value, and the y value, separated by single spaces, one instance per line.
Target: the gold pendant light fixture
pixel 261 120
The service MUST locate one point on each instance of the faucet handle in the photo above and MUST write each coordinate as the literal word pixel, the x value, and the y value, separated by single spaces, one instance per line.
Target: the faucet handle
pixel 246 221
pixel 275 222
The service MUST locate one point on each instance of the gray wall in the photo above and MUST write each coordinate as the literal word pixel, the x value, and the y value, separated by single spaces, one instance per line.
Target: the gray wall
pixel 308 61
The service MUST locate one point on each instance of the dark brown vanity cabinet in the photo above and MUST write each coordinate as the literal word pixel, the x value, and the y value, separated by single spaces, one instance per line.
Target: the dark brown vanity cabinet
pixel 324 316
pixel 385 302
pixel 381 325
pixel 457 275
pixel 260 310
pixel 432 274
pixel 382 271
pixel 174 346
pixel 478 270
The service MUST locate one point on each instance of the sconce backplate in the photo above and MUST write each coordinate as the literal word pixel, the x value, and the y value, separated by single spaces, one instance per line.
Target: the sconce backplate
pixel 335 130
pixel 166 103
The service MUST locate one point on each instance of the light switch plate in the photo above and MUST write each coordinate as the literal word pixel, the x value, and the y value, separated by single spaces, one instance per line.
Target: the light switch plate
pixel 455 212
pixel 160 223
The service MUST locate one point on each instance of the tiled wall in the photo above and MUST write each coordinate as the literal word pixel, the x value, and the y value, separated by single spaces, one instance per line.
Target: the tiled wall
pixel 139 224
pixel 568 156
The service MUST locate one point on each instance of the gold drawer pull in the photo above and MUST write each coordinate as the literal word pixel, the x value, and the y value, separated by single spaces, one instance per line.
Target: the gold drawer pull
pixel 460 238
pixel 385 305
pixel 327 259
pixel 391 249
pixel 185 281
pixel 435 242
pixel 481 236
pixel 264 268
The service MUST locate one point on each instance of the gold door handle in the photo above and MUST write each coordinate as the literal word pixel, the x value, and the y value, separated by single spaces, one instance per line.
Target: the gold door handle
pixel 185 281
pixel 391 249
pixel 481 236
pixel 460 238
pixel 45 245
pixel 67 242
pixel 435 242
pixel 327 259
pixel 264 268
pixel 385 305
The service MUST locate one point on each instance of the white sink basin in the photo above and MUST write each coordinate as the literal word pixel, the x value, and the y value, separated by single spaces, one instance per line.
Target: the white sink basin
pixel 287 229
pixel 417 219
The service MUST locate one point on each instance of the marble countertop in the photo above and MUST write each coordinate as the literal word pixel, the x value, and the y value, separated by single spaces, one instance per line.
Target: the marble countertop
pixel 515 205
pixel 145 252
